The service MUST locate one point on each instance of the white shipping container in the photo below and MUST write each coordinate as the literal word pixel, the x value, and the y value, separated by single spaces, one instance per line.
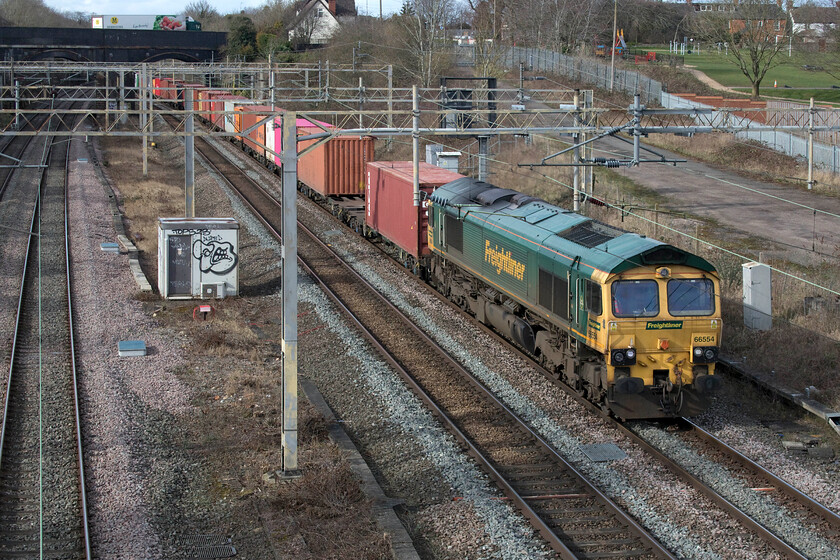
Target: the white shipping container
pixel 198 257
pixel 230 116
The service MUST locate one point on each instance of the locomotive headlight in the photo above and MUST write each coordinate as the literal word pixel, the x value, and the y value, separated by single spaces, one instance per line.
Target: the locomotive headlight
pixel 631 354
pixel 709 354
pixel 698 351
pixel 618 357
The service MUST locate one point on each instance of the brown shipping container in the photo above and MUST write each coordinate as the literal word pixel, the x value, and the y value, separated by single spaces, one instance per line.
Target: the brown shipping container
pixel 251 115
pixel 336 168
pixel 389 202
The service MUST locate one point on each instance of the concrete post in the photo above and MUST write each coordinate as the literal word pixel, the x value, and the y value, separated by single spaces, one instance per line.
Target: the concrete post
pixel 189 156
pixel 290 296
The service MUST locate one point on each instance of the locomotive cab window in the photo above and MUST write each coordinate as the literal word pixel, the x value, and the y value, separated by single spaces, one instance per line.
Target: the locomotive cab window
pixel 635 298
pixel 592 293
pixel 691 297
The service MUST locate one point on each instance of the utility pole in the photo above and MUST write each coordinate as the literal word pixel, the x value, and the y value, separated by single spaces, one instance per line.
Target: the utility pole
pixel 576 156
pixel 811 145
pixel 189 156
pixel 612 44
pixel 144 116
pixel 288 273
pixel 415 144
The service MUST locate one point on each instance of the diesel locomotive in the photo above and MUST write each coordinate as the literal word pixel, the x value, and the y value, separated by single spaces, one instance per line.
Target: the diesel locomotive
pixel 632 323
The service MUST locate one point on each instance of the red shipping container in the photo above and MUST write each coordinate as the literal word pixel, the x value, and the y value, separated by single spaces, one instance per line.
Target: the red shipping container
pixel 336 167
pixel 205 103
pixel 163 88
pixel 156 87
pixel 389 202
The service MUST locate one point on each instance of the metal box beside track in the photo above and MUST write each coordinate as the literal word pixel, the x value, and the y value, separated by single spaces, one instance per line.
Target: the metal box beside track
pixel 198 257
pixel 389 202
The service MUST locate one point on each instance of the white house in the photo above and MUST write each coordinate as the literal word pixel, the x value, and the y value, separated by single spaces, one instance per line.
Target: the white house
pixel 316 20
pixel 812 23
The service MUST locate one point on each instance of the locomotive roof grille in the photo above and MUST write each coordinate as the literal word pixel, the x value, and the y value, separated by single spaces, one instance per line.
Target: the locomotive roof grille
pixel 591 234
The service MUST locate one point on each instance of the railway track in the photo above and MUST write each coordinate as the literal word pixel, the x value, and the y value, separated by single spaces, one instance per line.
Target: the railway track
pixel 575 518
pixel 42 495
pixel 807 512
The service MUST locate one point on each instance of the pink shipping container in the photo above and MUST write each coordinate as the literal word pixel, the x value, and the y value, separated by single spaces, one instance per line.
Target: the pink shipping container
pixel 337 167
pixel 389 202
pixel 275 141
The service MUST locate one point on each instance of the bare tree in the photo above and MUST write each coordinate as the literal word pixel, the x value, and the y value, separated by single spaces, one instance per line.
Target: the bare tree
pixel 304 30
pixel 201 10
pixel 752 32
pixel 424 37
pixel 489 48
pixel 34 13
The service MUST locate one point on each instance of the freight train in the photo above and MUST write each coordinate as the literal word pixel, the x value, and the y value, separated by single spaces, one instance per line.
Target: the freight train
pixel 632 323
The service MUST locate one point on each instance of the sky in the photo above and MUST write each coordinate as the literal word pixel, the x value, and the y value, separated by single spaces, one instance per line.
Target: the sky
pixel 153 7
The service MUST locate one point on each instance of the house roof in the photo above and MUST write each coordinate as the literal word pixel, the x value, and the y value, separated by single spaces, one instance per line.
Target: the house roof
pixel 815 14
pixel 342 8
pixel 762 11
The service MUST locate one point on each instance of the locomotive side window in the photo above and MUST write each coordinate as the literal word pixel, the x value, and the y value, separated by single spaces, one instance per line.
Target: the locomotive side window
pixel 635 298
pixel 593 297
pixel 561 297
pixel 454 233
pixel 553 293
pixel 546 288
pixel 694 296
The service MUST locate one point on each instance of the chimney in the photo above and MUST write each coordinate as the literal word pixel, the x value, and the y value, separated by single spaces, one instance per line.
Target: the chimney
pixel 789 5
pixel 332 7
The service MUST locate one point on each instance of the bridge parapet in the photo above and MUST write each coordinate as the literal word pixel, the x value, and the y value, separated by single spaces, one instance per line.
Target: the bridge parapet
pixel 109 45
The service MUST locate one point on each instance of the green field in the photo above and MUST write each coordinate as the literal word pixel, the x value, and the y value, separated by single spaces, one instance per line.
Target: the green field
pixel 821 95
pixel 790 73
